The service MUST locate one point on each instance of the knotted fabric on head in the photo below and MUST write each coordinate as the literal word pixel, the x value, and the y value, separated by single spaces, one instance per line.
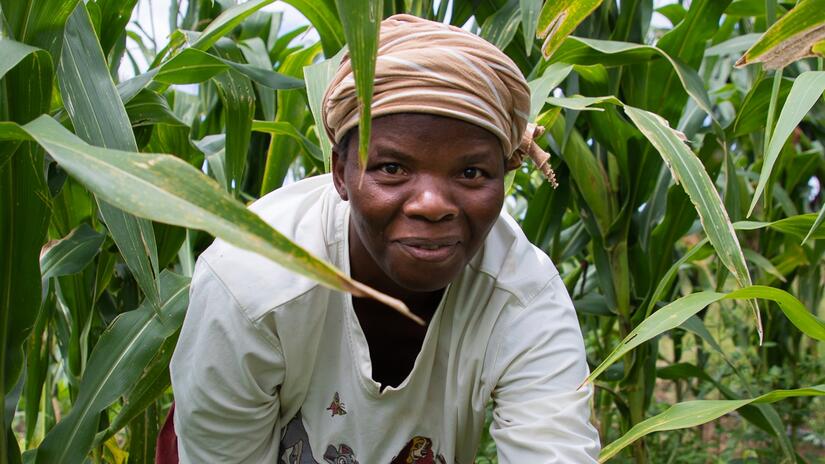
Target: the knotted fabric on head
pixel 434 68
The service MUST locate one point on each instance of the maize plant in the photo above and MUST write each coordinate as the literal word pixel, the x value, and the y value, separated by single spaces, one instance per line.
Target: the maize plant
pixel 687 224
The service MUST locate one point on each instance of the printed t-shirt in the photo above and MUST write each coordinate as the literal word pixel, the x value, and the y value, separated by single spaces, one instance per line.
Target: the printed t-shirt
pixel 271 367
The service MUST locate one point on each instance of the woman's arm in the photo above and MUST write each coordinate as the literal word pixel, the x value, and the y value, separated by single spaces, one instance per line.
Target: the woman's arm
pixel 225 373
pixel 539 415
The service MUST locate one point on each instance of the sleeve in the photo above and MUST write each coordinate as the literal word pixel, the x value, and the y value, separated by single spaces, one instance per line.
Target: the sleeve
pixel 539 415
pixel 225 375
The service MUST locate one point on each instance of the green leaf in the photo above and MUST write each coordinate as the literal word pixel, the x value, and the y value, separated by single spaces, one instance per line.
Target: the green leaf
pixel 789 39
pixel 806 90
pixel 285 128
pixel 71 253
pixel 500 27
pixel 578 50
pixel 38 22
pixel 541 87
pixel 254 52
pixel 681 310
pixel 693 413
pixel 227 21
pixel 559 19
pixel 238 97
pixel 323 17
pixel 690 173
pixel 361 20
pixel 166 189
pixel 149 108
pixel 12 53
pixel 99 117
pixel 801 225
pixel 530 10
pixel 118 360
pixel 318 77
pixel 193 66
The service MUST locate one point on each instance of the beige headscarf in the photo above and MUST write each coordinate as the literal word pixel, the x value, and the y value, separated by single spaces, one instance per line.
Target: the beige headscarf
pixel 429 67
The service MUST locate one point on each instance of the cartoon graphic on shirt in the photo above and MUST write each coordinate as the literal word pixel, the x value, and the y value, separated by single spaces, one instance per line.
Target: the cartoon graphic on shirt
pixel 295 448
pixel 337 408
pixel 341 455
pixel 419 450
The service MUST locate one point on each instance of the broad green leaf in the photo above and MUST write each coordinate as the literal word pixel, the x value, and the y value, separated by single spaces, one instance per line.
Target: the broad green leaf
pixel 141 182
pixel 750 116
pixel 580 103
pixel 12 53
pixel 238 97
pixel 193 66
pixel 578 50
pixel 38 22
pixel 690 173
pixel 318 77
pixel 693 413
pixel 285 128
pixel 530 10
pixel 559 19
pixel 118 360
pixel 500 28
pixel 733 46
pixel 807 89
pixel 323 17
pixel 71 253
pixel 149 108
pixel 789 39
pixel 292 108
pixel 227 21
pixel 361 20
pixel 99 117
pixel 679 311
pixel 763 263
pixel 541 87
pixel 255 53
pixel 151 385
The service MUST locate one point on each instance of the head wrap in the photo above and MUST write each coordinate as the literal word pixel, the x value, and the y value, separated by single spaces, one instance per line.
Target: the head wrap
pixel 429 67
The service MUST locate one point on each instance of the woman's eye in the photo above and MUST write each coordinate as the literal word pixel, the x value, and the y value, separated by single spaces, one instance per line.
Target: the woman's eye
pixel 472 173
pixel 391 168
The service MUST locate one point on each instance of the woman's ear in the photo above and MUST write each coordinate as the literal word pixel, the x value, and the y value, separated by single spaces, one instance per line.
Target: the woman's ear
pixel 339 166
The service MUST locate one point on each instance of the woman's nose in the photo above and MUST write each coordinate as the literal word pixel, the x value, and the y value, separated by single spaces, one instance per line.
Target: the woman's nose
pixel 432 200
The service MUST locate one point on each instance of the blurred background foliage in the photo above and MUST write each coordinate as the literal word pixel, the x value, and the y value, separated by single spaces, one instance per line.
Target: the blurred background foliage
pixel 666 230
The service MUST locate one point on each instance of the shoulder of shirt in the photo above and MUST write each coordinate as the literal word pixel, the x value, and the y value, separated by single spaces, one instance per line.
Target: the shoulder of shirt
pixel 303 212
pixel 518 267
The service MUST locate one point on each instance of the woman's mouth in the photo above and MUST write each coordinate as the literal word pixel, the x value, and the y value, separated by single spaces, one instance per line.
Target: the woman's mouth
pixel 432 250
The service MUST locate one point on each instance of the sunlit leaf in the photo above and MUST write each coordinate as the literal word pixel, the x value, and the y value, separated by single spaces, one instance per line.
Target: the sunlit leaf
pixel 789 39
pixel 559 19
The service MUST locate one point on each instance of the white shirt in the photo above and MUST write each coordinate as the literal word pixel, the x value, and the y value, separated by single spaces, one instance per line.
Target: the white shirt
pixel 271 367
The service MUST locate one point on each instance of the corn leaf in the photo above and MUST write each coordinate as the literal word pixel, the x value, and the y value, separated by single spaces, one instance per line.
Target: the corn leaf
pixel 679 311
pixel 227 21
pixel 530 10
pixel 789 39
pixel 100 118
pixel 71 253
pixel 690 173
pixel 559 19
pixel 127 346
pixel 318 77
pixel 806 90
pixel 324 18
pixel 692 413
pixel 285 128
pixel 361 20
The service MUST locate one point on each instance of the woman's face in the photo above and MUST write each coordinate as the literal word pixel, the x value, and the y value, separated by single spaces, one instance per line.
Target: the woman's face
pixel 432 190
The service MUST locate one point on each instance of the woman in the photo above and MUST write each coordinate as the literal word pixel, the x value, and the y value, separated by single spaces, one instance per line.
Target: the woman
pixel 272 367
